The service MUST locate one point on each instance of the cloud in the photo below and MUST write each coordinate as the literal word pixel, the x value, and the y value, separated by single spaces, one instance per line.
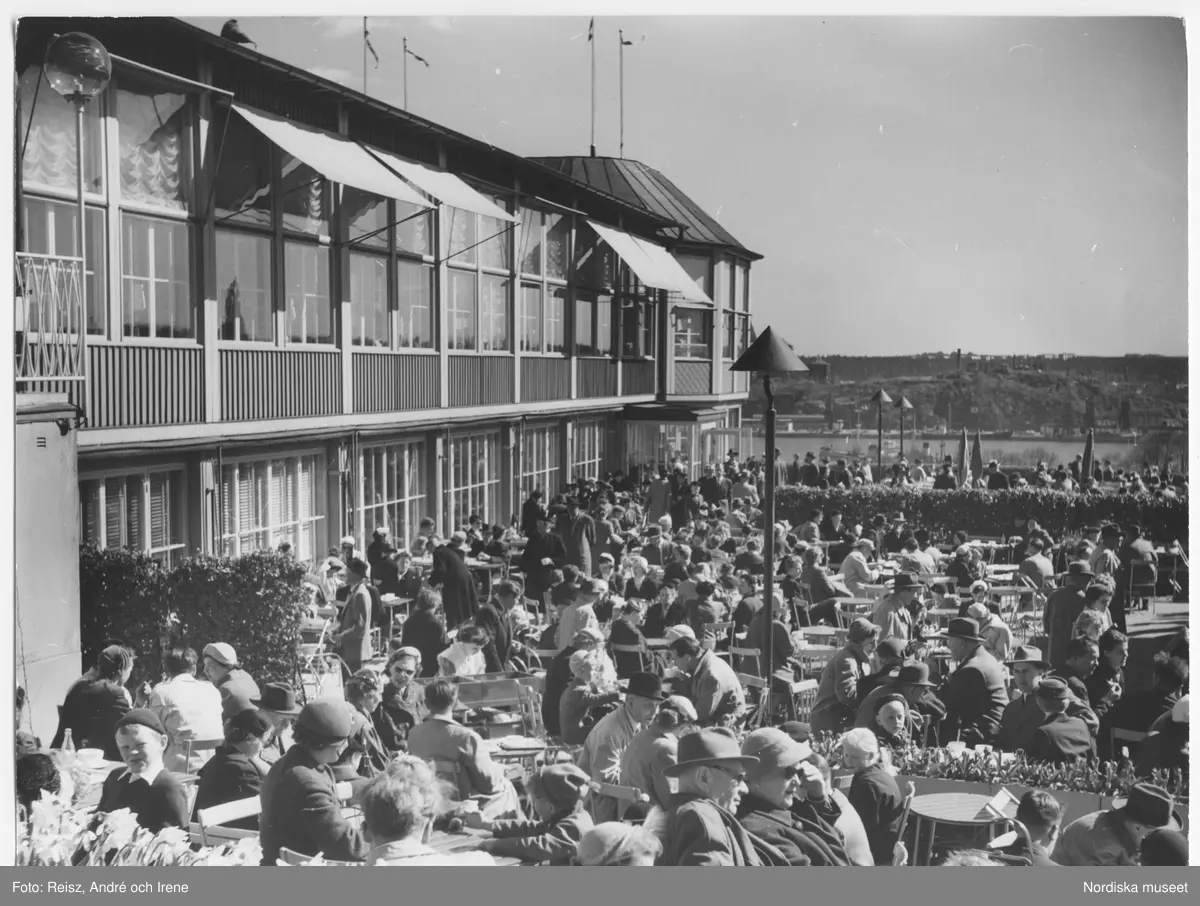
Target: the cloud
pixel 332 73
pixel 440 23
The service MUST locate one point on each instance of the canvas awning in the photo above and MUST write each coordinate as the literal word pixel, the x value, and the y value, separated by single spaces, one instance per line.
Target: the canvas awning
pixel 334 157
pixel 653 264
pixel 445 187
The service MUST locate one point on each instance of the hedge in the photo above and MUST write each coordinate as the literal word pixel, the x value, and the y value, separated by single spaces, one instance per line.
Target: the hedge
pixel 981 512
pixel 255 603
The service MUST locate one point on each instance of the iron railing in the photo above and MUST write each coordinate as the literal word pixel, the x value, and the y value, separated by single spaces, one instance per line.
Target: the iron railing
pixel 51 330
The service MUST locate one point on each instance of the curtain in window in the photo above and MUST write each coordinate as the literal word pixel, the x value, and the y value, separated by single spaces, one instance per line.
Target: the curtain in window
pixel 152 148
pixel 50 152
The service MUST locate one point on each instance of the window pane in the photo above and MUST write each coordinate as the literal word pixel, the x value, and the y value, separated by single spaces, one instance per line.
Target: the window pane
pixel 153 133
pixel 595 264
pixel 367 216
pixel 531 241
pixel 494 313
pixel 156 277
pixel 494 251
pixel 462 236
pixel 306 273
pixel 414 316
pixel 462 309
pixel 51 228
pixel 531 318
pixel 729 339
pixel 368 300
pixel 242 193
pixel 244 284
pixel 691 334
pixel 744 278
pixel 698 269
pixel 304 196
pixel 648 324
pixel 584 336
pixel 49 158
pixel 604 325
pixel 413 234
pixel 556 314
pixel 558 238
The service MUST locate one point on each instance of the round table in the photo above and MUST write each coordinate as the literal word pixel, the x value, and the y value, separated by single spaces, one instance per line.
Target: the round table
pixel 958 809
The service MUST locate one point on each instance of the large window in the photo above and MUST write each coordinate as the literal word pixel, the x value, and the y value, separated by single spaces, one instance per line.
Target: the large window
pixel 693 334
pixel 593 323
pixel 309 307
pixel 479 254
pixel 142 511
pixel 156 277
pixel 474 485
pixel 154 125
pixel 493 313
pixel 244 285
pixel 48 161
pixel 414 315
pixel 52 228
pixel 541 461
pixel 460 308
pixel 267 502
pixel 368 300
pixel 394 488
pixel 543 301
pixel 589 449
pixel 699 268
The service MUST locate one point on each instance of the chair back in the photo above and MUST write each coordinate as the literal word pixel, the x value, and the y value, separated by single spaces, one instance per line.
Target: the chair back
pixel 714 634
pixel 452 773
pixel 803 697
pixel 210 819
pixel 196 746
pixel 291 857
pixel 630 649
pixel 489 693
pixel 747 659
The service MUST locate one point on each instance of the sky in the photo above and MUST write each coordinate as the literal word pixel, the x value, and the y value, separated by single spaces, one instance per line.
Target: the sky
pixel 915 184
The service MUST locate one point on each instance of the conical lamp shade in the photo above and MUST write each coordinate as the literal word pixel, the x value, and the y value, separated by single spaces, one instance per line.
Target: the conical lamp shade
pixel 769 354
pixel 881 397
pixel 903 402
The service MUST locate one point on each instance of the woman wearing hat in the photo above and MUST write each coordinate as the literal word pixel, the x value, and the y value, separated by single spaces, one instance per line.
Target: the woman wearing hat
pixel 236 769
pixel 144 786
pixel 300 807
pixel 996 635
pixel 425 630
pixel 402 704
pixel 655 748
pixel 556 794
pixel 93 708
pixel 1114 836
pixel 583 701
pixel 365 755
pixel 837 691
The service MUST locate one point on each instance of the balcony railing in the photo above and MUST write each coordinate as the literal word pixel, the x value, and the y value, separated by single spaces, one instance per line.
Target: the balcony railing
pixel 51 334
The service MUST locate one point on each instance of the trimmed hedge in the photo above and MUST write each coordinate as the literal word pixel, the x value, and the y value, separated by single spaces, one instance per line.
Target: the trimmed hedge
pixel 255 603
pixel 980 512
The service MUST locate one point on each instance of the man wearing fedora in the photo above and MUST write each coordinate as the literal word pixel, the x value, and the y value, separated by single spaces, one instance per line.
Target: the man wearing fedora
pixel 892 614
pixel 600 757
pixel 543 554
pixel 700 827
pixel 889 655
pixel 1061 739
pixel 837 691
pixel 777 783
pixel 893 540
pixel 1022 716
pixel 1114 836
pixel 1063 607
pixel 974 693
pixel 279 708
pixel 709 682
pixel 300 807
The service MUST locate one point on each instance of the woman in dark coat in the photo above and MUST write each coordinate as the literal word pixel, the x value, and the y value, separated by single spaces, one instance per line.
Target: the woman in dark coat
pixel 626 631
pixel 236 769
pixel 426 631
pixel 403 702
pixel 460 598
pixel 94 705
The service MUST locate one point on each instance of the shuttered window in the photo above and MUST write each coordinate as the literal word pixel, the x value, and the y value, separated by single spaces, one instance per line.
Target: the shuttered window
pixel 394 489
pixel 144 511
pixel 268 502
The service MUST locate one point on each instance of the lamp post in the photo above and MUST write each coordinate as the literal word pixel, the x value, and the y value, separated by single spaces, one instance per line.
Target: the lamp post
pixel 769 355
pixel 902 404
pixel 881 398
pixel 79 68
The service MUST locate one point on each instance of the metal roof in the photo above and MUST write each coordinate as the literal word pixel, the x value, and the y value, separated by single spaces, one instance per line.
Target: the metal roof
pixel 642 185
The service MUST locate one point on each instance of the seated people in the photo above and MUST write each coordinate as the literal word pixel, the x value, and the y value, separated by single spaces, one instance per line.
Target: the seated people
pixel 144 786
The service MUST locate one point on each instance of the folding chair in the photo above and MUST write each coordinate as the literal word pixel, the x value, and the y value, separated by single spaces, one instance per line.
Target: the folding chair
pixel 747 654
pixel 291 857
pixel 191 746
pixel 720 632
pixel 1143 585
pixel 631 649
pixel 209 820
pixel 456 777
pixel 802 696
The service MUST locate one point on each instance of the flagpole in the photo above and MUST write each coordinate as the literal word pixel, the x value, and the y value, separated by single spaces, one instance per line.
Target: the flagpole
pixel 406 73
pixel 364 54
pixel 621 40
pixel 593 43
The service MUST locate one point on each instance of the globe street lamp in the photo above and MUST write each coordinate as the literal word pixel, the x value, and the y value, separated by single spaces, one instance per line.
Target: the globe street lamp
pixel 769 355
pixel 79 68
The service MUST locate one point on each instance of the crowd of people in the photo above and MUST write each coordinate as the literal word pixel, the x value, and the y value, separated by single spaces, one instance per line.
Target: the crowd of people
pixel 618 596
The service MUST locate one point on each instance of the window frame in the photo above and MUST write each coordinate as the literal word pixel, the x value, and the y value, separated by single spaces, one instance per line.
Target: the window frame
pixel 482 233
pixel 101 477
pixel 489 487
pixel 589 438
pixel 229 543
pixel 541 459
pixel 705 333
pixel 555 294
pixel 416 456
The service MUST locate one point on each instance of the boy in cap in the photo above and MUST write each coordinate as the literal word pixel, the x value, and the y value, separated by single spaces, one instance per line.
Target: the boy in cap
pixel 556 793
pixel 154 795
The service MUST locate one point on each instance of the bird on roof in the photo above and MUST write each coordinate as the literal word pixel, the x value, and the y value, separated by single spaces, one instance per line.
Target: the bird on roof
pixel 231 32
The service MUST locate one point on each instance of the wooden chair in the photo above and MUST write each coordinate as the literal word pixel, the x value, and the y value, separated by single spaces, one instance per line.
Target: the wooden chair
pixel 454 774
pixel 630 795
pixel 1119 735
pixel 1143 585
pixel 630 649
pixel 530 705
pixel 803 695
pixel 720 632
pixel 209 820
pixel 291 857
pixel 746 654
pixel 198 745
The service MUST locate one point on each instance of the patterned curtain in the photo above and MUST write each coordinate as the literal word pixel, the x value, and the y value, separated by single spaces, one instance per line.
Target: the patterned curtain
pixel 151 170
pixel 50 153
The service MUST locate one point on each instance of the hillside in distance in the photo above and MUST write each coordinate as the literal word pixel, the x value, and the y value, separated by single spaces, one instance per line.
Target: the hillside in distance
pixel 1051 395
